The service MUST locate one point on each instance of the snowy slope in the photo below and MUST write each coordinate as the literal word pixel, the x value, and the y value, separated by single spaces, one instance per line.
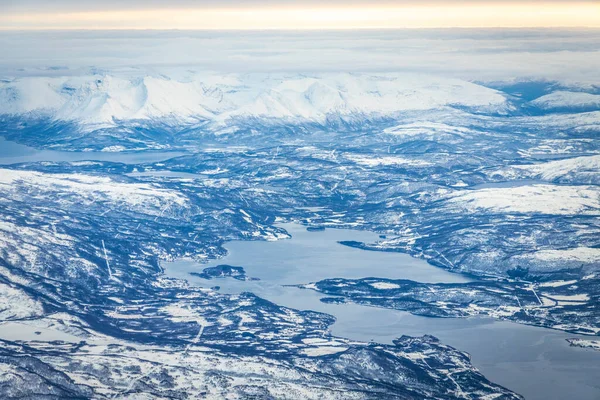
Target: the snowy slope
pixel 587 165
pixel 583 169
pixel 544 199
pixel 103 99
pixel 106 99
pixel 90 189
pixel 15 304
pixel 564 99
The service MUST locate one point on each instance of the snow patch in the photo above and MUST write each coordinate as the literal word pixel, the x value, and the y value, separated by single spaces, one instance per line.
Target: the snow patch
pixel 565 99
pixel 384 285
pixel 543 199
pixel 579 254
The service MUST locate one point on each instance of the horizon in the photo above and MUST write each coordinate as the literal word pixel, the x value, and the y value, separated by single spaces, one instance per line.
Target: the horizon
pixel 303 16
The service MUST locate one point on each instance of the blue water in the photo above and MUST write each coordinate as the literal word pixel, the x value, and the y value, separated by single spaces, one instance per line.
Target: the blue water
pixel 535 362
pixel 13 153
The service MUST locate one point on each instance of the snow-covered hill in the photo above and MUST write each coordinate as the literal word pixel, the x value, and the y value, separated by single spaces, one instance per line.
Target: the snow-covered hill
pixel 103 100
pixel 568 100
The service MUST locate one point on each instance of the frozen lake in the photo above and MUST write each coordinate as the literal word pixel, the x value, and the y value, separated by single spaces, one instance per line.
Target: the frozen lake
pixel 535 362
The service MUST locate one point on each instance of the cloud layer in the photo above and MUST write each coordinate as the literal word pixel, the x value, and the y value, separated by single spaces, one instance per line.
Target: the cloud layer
pixel 486 55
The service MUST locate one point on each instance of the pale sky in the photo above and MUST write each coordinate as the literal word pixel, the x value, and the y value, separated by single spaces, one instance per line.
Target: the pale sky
pixel 294 14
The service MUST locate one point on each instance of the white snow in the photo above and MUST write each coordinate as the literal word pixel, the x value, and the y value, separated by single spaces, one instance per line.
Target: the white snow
pixel 323 350
pixel 180 313
pixel 373 161
pixel 591 344
pixel 384 285
pixel 426 129
pixel 557 283
pixel 565 99
pixel 543 199
pixel 572 298
pixel 16 304
pixel 556 169
pixel 91 189
pixel 103 100
pixel 579 254
pixel 23 245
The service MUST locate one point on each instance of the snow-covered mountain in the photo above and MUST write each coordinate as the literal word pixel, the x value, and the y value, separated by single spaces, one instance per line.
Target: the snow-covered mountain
pixel 102 100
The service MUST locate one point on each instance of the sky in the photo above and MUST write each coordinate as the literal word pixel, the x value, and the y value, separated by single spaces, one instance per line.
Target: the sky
pixel 294 14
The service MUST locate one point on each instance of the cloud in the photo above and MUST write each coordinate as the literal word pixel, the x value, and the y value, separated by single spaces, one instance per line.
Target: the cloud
pixel 487 55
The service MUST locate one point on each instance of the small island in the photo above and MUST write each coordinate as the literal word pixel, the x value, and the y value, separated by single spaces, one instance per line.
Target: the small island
pixel 585 343
pixel 224 271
